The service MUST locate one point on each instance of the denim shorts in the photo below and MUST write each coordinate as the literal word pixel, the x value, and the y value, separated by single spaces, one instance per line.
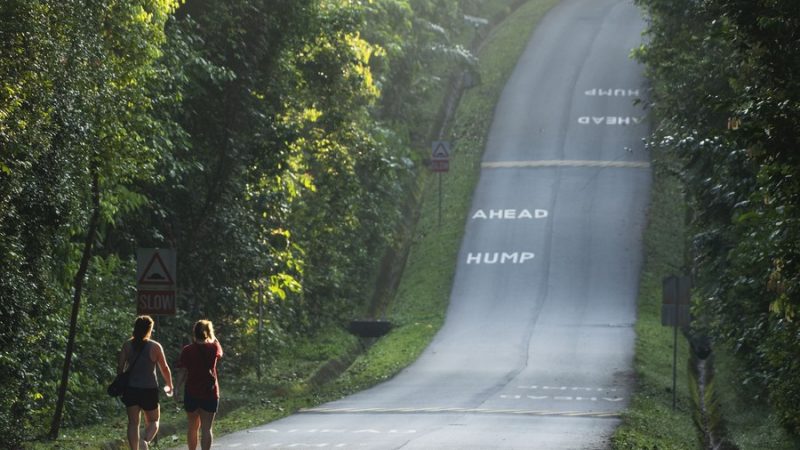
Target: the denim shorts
pixel 190 404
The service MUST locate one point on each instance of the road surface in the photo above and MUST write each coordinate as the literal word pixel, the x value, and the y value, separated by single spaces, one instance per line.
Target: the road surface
pixel 536 350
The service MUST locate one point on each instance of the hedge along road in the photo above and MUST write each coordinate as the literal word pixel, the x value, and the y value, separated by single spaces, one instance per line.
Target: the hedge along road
pixel 536 350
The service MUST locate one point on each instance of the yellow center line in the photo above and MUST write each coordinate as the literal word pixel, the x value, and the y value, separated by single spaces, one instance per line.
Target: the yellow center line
pixel 565 163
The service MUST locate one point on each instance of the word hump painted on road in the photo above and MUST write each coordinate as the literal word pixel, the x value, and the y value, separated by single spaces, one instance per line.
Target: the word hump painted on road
pixel 499 257
pixel 612 92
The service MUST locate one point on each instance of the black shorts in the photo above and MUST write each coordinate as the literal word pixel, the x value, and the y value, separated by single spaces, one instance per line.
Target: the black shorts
pixel 145 398
pixel 190 404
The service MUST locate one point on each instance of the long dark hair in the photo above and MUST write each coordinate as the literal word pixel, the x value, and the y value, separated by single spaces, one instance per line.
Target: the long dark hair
pixel 141 331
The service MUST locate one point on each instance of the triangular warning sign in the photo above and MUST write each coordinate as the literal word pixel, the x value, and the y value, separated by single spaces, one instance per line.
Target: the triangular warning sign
pixel 440 151
pixel 156 273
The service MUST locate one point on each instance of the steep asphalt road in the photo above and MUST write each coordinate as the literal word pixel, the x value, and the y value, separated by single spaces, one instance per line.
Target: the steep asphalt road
pixel 536 351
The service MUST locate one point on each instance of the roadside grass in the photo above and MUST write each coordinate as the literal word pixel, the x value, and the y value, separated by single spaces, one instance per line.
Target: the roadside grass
pixel 650 422
pixel 749 422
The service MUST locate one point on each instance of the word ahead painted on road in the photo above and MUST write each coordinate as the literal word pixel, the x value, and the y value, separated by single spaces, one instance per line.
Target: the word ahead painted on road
pixel 499 257
pixel 156 282
pixel 509 214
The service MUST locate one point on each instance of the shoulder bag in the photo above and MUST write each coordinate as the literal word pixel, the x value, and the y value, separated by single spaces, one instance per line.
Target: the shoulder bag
pixel 117 387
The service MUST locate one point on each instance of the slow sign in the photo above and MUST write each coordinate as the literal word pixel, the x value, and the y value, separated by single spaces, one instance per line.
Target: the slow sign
pixel 155 285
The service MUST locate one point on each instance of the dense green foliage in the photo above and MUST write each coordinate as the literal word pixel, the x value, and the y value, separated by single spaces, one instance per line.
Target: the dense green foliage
pixel 726 93
pixel 270 142
pixel 74 113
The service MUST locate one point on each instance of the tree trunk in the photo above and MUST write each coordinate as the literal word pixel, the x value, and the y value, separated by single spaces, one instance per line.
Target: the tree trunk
pixel 76 302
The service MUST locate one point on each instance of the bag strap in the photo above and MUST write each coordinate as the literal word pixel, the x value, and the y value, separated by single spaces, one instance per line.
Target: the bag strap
pixel 144 344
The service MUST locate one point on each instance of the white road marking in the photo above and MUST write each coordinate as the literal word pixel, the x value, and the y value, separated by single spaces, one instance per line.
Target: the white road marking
pixel 565 163
pixel 616 92
pixel 571 388
pixel 564 397
pixel 609 120
pixel 289 445
pixel 322 410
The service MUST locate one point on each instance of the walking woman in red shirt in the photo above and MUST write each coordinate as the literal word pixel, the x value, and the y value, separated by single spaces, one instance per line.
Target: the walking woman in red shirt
pixel 201 393
pixel 140 355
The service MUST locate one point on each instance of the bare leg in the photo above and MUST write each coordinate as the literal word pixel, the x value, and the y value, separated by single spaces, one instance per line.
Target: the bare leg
pixel 206 422
pixel 192 429
pixel 151 424
pixel 133 427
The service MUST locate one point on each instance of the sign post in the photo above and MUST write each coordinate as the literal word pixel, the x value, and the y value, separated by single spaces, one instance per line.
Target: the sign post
pixel 676 292
pixel 440 162
pixel 155 281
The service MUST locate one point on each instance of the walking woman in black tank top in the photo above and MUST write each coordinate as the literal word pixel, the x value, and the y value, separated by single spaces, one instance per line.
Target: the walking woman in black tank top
pixel 141 354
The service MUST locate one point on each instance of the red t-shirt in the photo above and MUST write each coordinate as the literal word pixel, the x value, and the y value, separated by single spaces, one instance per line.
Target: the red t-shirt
pixel 200 361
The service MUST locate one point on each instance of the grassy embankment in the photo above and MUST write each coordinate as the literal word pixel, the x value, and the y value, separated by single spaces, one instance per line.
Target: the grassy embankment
pixel 750 424
pixel 650 422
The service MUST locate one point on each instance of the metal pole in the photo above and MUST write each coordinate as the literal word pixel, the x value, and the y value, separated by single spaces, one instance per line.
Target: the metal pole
pixel 440 199
pixel 260 326
pixel 675 358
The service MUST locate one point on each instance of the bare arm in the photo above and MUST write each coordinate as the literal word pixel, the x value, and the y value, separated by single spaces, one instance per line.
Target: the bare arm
pixel 161 360
pixel 122 359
